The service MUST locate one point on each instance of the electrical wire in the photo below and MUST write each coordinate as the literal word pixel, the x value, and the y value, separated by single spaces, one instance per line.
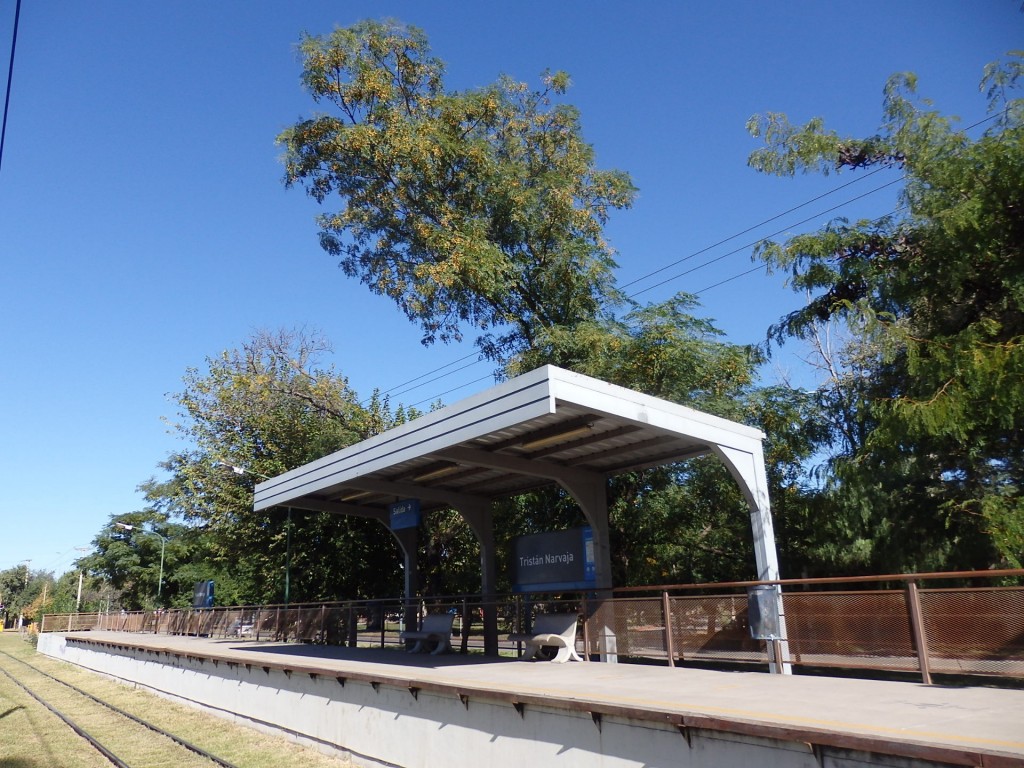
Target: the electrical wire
pixel 438 378
pixel 438 396
pixel 762 239
pixel 10 77
pixel 404 387
pixel 760 267
pixel 413 380
pixel 751 229
pixel 779 216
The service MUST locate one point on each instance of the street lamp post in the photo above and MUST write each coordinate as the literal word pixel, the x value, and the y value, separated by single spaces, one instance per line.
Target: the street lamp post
pixel 163 544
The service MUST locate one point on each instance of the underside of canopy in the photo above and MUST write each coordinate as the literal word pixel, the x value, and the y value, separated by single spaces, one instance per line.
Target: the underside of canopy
pixel 520 435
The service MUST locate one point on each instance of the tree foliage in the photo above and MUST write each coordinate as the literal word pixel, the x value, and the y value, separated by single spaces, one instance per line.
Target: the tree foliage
pixel 15 592
pixel 479 208
pixel 933 296
pixel 256 412
pixel 144 566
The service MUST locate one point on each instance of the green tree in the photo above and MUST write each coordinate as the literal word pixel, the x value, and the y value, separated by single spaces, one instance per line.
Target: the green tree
pixel 261 410
pixel 14 593
pixel 23 593
pixel 470 209
pixel 139 564
pixel 929 453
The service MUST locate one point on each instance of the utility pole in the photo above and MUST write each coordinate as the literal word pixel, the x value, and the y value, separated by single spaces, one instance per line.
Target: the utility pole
pixel 81 574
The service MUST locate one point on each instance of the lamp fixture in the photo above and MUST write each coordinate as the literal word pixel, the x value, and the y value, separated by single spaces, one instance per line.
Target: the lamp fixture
pixel 240 470
pixel 558 437
pixel 436 473
pixel 356 495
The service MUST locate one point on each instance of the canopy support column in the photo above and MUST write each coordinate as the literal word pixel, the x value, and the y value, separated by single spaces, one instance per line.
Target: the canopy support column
pixel 747 467
pixel 591 494
pixel 409 539
pixel 482 523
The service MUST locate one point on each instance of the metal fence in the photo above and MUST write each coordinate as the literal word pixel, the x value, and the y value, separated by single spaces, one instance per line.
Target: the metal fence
pixel 896 626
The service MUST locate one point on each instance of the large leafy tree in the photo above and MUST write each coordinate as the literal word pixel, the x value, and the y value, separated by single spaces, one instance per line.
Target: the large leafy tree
pixel 255 412
pixel 143 560
pixel 474 209
pixel 16 590
pixel 929 455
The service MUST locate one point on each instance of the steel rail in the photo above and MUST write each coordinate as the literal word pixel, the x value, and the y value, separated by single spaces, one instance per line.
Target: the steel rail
pixel 70 723
pixel 106 753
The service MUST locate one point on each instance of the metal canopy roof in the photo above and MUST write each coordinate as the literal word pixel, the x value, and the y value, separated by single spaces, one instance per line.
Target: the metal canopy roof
pixel 517 436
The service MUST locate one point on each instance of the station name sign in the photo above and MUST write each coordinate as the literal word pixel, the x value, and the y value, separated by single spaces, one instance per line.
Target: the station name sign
pixel 405 514
pixel 556 560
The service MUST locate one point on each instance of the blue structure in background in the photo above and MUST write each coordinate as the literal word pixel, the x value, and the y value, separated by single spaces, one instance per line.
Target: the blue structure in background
pixel 202 594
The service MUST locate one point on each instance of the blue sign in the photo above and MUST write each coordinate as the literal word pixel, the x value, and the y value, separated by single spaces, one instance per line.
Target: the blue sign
pixel 202 594
pixel 558 560
pixel 589 566
pixel 405 514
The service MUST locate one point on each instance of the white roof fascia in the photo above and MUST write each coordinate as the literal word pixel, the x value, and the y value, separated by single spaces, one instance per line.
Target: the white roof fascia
pixel 512 402
pixel 603 397
pixel 525 397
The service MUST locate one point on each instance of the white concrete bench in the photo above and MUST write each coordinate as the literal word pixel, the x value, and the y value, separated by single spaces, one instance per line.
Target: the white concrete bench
pixel 551 630
pixel 437 628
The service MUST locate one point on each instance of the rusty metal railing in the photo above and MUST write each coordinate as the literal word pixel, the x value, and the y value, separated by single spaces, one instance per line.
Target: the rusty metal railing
pixel 904 624
pixel 921 624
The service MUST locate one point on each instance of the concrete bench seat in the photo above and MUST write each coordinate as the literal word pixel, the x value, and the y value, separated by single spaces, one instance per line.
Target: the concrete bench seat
pixel 436 629
pixel 550 630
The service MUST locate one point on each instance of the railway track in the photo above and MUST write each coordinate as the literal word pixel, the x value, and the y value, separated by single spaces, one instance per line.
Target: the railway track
pixel 122 738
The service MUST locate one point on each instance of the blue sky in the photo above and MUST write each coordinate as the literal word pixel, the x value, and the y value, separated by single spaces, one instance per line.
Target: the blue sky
pixel 144 225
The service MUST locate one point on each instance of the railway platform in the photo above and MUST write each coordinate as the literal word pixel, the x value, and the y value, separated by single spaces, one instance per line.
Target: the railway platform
pixel 387 707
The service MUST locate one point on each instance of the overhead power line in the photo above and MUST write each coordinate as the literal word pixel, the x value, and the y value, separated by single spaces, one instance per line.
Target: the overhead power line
pixel 438 378
pixel 405 387
pixel 751 229
pixel 770 219
pixel 10 77
pixel 760 267
pixel 899 208
pixel 392 390
pixel 762 239
pixel 439 395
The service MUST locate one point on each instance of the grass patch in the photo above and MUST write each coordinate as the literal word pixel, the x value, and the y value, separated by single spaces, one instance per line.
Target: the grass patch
pixel 31 737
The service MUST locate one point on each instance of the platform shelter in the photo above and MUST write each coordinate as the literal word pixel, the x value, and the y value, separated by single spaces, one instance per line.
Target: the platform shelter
pixel 548 426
